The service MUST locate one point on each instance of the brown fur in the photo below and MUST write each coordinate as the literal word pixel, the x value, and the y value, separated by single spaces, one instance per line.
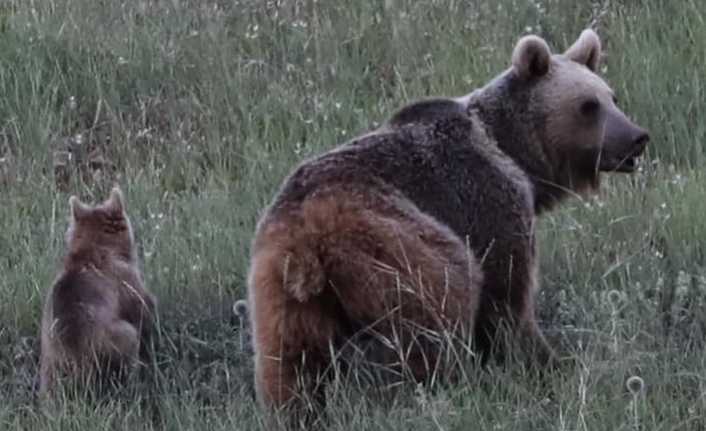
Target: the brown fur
pixel 430 219
pixel 384 260
pixel 98 314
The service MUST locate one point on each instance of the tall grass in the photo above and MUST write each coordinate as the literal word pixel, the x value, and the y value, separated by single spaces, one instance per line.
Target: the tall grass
pixel 200 108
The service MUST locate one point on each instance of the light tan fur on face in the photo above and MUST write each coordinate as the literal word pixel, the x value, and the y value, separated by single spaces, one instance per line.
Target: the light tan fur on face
pixel 98 313
pixel 572 81
pixel 568 86
pixel 568 134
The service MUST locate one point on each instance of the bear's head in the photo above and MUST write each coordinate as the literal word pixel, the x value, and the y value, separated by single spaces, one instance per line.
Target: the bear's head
pixel 558 119
pixel 102 227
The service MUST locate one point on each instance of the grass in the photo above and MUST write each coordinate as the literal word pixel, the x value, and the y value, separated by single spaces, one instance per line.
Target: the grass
pixel 200 108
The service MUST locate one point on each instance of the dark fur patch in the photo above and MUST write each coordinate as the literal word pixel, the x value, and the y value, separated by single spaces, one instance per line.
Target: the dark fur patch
pixel 72 296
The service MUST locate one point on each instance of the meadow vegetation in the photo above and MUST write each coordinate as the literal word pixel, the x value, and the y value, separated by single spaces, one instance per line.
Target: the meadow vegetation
pixel 199 108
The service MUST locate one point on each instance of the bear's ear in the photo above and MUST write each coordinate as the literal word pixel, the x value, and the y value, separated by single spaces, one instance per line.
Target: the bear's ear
pixel 79 210
pixel 531 57
pixel 115 202
pixel 586 50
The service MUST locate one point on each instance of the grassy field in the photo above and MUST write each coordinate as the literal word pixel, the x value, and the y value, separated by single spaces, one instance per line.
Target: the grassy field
pixel 199 108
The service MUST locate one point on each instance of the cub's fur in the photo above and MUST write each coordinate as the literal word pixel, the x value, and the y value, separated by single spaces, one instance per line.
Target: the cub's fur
pixel 431 219
pixel 98 316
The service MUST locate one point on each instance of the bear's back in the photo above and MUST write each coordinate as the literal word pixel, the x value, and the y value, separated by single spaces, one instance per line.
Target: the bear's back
pixel 443 162
pixel 427 112
pixel 75 301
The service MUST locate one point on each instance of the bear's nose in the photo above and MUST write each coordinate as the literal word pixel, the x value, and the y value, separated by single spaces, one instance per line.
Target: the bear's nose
pixel 642 137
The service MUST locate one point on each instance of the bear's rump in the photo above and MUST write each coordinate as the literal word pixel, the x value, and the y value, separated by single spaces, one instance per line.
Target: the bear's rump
pixel 384 259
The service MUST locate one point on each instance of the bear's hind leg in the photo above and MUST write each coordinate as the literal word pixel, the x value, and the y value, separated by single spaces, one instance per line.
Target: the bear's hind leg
pixel 414 282
pixel 291 337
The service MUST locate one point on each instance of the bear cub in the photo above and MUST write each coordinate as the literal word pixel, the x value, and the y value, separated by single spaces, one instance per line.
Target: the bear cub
pixel 98 316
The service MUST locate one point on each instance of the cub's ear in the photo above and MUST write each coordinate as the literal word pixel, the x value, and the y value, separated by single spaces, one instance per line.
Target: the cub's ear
pixel 79 210
pixel 116 201
pixel 531 57
pixel 586 50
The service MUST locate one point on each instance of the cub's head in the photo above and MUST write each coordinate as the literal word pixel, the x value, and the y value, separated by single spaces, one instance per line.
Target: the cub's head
pixel 104 226
pixel 560 120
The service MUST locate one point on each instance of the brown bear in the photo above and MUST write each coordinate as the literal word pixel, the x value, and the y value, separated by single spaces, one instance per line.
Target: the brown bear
pixel 431 218
pixel 98 316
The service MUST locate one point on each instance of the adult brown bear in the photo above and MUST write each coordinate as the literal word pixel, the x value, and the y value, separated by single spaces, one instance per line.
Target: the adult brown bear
pixel 430 219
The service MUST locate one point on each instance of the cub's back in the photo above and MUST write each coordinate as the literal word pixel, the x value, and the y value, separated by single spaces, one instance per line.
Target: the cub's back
pixel 77 302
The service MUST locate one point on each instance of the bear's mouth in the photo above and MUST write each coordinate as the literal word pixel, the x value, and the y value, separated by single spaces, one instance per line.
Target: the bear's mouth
pixel 625 164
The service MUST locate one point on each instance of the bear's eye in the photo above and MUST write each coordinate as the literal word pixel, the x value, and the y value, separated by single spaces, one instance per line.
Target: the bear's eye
pixel 590 107
pixel 615 99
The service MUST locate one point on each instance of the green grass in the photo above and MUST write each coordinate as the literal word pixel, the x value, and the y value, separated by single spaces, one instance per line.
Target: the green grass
pixel 202 108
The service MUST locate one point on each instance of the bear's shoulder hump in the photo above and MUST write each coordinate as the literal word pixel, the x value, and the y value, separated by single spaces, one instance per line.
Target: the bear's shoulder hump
pixel 427 111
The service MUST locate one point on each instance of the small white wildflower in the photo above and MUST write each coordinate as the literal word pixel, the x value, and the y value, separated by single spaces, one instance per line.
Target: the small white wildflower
pixel 615 298
pixel 681 292
pixel 683 284
pixel 252 32
pixel 702 284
